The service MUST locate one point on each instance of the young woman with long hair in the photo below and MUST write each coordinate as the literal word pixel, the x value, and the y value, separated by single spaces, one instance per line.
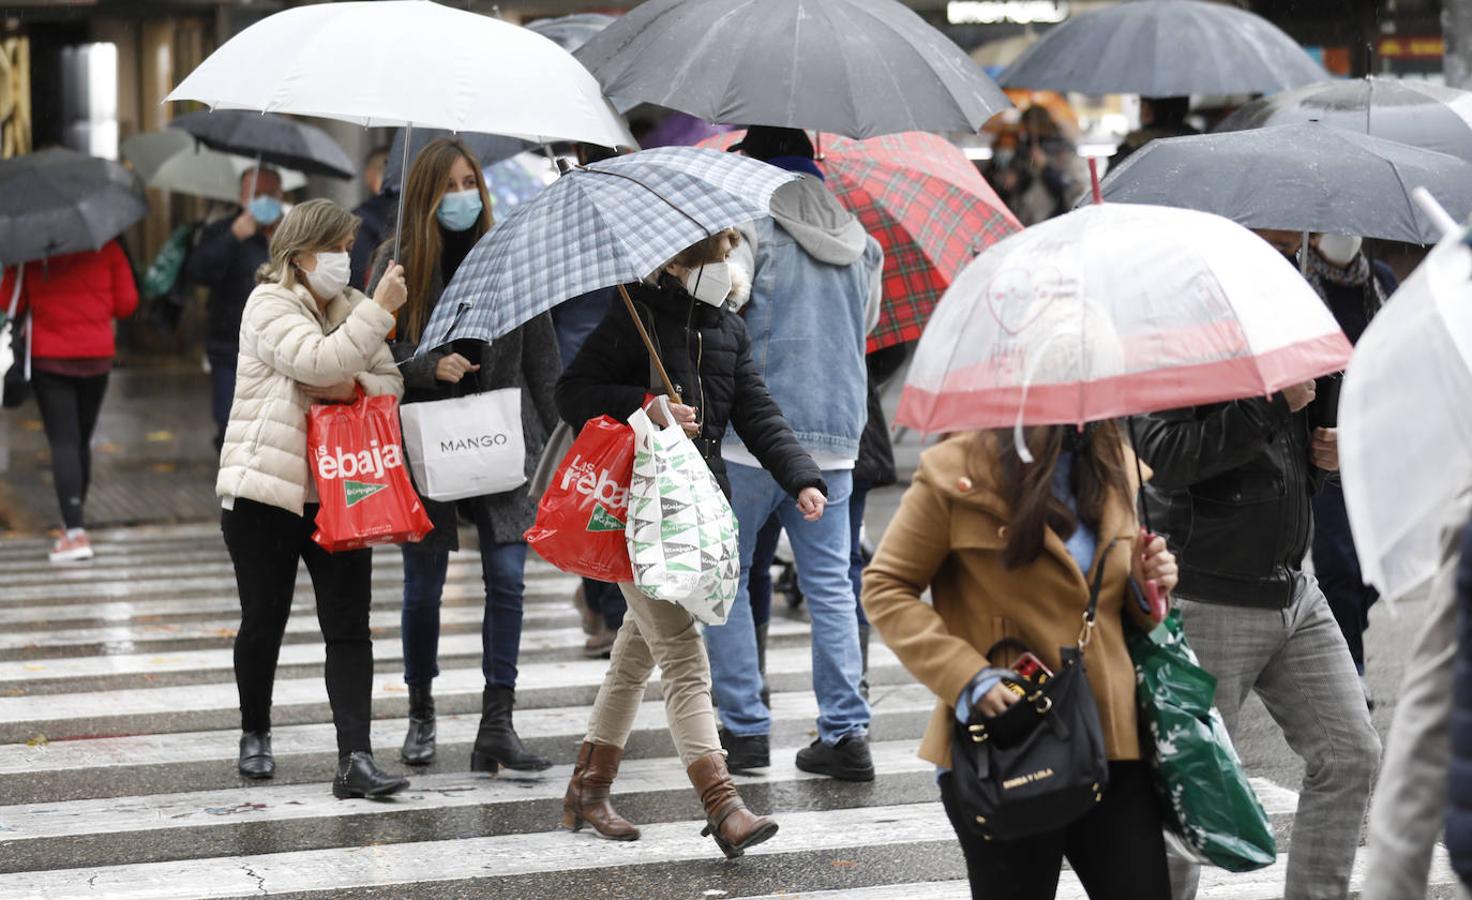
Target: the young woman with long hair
pixel 446 210
pixel 1007 550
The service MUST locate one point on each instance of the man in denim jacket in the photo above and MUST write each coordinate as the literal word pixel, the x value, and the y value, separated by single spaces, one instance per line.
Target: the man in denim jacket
pixel 815 296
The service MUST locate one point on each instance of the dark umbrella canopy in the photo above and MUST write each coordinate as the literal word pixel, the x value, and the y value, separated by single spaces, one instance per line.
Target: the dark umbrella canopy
pixel 59 201
pixel 488 148
pixel 1298 178
pixel 572 32
pixel 1164 48
pixel 277 140
pixel 1419 113
pixel 859 68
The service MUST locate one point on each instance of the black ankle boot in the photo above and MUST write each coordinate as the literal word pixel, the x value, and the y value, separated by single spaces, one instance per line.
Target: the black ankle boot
pixel 419 742
pixel 256 760
pixel 359 776
pixel 496 743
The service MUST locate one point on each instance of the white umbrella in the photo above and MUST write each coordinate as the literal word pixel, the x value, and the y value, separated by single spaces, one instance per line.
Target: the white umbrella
pixel 171 160
pixel 1405 439
pixel 409 63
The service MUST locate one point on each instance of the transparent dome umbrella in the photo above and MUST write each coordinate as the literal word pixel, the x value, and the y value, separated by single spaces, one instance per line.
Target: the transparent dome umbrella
pixel 1113 311
pixel 1405 438
pixel 171 160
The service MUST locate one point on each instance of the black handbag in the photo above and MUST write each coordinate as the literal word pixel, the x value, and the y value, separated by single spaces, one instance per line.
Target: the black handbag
pixel 1041 764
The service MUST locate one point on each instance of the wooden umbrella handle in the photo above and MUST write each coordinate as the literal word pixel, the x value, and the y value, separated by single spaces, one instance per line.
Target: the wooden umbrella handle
pixel 664 376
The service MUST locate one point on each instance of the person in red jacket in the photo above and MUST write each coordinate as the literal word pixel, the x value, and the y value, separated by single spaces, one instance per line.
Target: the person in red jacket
pixel 73 301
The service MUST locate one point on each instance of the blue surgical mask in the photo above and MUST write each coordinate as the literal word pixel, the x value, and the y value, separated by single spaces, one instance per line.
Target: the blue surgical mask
pixel 265 209
pixel 459 210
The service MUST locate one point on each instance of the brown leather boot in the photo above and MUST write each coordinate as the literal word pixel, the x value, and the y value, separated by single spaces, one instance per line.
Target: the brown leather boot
pixel 727 819
pixel 586 801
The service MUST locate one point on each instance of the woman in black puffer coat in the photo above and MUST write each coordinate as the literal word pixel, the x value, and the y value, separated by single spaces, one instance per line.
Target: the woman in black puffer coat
pixel 706 353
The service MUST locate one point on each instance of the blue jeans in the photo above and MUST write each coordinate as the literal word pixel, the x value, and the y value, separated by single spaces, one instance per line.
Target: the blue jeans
pixel 759 579
pixel 856 503
pixel 822 551
pixel 605 599
pixel 503 568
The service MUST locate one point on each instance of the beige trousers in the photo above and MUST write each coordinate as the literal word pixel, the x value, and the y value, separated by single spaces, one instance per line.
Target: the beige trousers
pixel 663 634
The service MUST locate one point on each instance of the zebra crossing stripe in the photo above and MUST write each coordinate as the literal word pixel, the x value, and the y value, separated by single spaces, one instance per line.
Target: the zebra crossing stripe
pixel 308 654
pixel 306 691
pixel 220 746
pixel 276 803
pixel 386 865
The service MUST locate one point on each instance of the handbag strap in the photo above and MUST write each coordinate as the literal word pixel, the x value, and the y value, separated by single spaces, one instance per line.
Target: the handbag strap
pixel 1086 634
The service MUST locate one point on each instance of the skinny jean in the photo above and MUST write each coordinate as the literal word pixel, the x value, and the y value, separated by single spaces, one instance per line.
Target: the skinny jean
pixel 656 633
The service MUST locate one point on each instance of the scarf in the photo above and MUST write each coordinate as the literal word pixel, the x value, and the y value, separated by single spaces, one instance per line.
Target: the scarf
pixel 1358 274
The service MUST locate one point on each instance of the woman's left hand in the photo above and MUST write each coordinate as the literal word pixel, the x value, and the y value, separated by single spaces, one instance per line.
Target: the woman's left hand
pixel 1156 563
pixel 338 393
pixel 811 503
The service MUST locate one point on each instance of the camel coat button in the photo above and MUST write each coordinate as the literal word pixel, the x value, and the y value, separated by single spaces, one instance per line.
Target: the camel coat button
pixel 963 484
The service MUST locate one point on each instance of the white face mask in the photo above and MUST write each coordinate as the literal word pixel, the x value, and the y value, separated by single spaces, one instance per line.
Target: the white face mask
pixel 331 275
pixel 1339 249
pixel 710 283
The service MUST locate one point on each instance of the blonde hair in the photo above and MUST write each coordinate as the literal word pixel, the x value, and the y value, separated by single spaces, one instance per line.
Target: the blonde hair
pixel 310 227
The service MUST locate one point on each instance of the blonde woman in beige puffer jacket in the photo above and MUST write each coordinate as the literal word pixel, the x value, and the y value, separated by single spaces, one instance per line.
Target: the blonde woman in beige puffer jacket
pixel 305 338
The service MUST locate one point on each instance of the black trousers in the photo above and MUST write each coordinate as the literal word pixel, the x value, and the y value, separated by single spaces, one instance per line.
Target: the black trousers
pixel 266 544
pixel 1117 850
pixel 69 409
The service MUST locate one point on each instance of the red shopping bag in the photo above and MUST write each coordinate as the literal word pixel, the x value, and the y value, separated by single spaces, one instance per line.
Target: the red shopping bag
pixel 580 519
pixel 357 457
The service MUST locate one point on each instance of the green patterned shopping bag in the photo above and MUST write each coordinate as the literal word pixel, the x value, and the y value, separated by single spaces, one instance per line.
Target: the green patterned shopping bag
pixel 1207 802
pixel 680 528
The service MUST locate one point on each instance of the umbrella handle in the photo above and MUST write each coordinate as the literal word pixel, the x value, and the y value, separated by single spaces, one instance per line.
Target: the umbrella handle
pixel 664 376
pixel 1094 179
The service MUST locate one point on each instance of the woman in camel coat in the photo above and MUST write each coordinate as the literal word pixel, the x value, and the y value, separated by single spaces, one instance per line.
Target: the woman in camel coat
pixel 1006 551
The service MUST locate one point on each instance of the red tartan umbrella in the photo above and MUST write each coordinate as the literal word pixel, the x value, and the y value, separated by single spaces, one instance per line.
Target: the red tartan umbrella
pixel 925 203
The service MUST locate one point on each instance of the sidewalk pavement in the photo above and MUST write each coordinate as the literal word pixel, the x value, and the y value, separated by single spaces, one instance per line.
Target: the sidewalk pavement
pixel 153 458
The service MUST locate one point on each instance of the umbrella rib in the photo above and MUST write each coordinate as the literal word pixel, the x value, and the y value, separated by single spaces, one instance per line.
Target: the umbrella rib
pixel 670 203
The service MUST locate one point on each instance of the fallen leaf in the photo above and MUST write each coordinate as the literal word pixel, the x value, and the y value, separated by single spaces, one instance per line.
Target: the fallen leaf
pixel 844 863
pixel 39 740
pixel 163 468
pixel 31 424
pixel 159 437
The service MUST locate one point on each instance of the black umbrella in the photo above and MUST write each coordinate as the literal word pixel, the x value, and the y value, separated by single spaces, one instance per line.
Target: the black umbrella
pixel 276 140
pixel 488 148
pixel 1426 115
pixel 856 67
pixel 572 32
pixel 1164 48
pixel 59 201
pixel 1298 178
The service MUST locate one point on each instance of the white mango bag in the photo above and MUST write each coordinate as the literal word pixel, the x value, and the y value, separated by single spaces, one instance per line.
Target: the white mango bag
pixel 681 530
pixel 466 446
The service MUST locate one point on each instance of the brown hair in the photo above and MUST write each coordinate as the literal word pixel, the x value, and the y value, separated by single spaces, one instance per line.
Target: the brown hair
pixel 707 250
pixel 310 227
pixel 420 244
pixel 1098 470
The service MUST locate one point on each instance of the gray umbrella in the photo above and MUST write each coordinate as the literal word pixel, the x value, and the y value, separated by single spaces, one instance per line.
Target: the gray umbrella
pixel 59 201
pixel 856 67
pixel 488 148
pixel 273 139
pixel 1298 178
pixel 1412 112
pixel 1164 48
pixel 572 32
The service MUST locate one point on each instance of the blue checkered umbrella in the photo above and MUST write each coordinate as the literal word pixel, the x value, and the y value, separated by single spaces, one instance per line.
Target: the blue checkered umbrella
pixel 610 223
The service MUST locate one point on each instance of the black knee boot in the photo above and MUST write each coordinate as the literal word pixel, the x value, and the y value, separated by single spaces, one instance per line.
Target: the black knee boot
pixel 496 744
pixel 761 662
pixel 419 742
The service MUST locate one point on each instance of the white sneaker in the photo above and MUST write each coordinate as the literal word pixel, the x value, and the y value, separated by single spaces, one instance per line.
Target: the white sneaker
pixel 72 547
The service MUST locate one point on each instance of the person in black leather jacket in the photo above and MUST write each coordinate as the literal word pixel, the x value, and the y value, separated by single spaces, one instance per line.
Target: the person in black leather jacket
pixel 1232 492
